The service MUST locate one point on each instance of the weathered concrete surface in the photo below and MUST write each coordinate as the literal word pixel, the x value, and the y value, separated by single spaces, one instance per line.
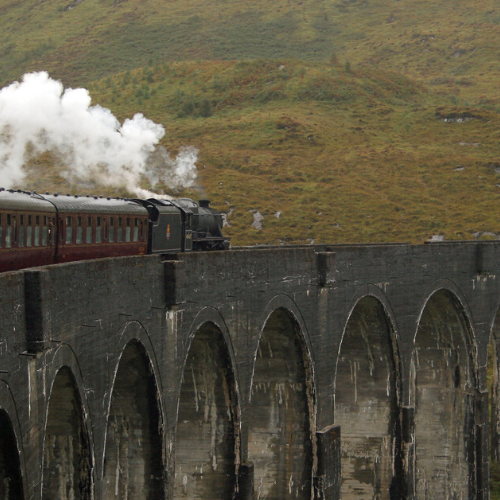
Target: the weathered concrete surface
pixel 443 382
pixel 66 459
pixel 274 370
pixel 207 437
pixel 281 413
pixel 366 404
pixel 134 440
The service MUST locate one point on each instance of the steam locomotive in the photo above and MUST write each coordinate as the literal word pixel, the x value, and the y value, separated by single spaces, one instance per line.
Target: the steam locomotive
pixel 37 230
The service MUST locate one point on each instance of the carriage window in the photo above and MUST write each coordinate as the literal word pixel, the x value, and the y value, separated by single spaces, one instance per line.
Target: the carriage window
pixel 98 231
pixel 37 231
pixel 127 230
pixel 136 229
pixel 79 230
pixel 52 230
pixel 45 231
pixel 52 233
pixel 20 238
pixel 119 231
pixel 14 231
pixel 29 231
pixel 69 230
pixel 111 230
pixel 8 232
pixel 88 232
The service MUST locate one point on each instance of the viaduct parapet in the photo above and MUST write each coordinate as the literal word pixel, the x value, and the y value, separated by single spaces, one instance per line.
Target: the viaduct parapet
pixel 275 373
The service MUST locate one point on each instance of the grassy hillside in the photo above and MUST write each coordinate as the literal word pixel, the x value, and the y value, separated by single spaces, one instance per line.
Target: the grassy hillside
pixel 351 120
pixel 325 153
pixel 450 44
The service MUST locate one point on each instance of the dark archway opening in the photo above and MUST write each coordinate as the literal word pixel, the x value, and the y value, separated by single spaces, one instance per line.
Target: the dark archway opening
pixel 133 466
pixel 444 402
pixel 207 442
pixel 493 382
pixel 11 485
pixel 67 466
pixel 281 413
pixel 366 406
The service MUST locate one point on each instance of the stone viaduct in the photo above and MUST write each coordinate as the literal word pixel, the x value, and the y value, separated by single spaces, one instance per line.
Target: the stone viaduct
pixel 325 372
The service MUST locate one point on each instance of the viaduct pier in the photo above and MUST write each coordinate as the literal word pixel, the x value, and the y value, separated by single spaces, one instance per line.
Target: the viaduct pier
pixel 314 372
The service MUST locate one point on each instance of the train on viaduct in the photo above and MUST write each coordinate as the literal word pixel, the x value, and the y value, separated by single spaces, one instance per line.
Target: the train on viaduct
pixel 307 373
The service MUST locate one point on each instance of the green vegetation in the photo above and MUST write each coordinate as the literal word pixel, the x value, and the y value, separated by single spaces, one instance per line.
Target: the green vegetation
pixel 450 45
pixel 293 107
pixel 340 154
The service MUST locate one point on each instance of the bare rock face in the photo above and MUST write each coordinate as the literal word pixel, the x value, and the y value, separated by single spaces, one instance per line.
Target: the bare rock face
pixel 73 4
pixel 495 166
pixel 257 220
pixel 225 218
pixel 436 238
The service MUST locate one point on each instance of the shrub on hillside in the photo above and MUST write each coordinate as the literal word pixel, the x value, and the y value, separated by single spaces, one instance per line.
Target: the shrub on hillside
pixel 323 88
pixel 191 107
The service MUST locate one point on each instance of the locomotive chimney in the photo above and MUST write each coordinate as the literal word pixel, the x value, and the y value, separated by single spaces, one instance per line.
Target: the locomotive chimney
pixel 204 203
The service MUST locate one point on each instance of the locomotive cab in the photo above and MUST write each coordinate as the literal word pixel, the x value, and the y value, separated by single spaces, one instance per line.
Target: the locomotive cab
pixel 166 227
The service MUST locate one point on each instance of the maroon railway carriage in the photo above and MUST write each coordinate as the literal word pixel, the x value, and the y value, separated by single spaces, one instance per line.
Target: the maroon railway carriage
pixel 38 229
pixel 27 236
pixel 94 227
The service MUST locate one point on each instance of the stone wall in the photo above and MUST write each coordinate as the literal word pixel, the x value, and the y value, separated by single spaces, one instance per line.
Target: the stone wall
pixel 276 373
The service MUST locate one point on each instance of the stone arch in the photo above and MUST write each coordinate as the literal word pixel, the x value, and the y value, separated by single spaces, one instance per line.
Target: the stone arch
pixel 11 477
pixel 67 463
pixel 367 385
pixel 281 413
pixel 493 384
pixel 133 459
pixel 443 392
pixel 135 332
pixel 213 316
pixel 208 417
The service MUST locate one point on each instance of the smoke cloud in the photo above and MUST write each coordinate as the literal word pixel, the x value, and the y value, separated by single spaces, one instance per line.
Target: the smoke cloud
pixel 38 115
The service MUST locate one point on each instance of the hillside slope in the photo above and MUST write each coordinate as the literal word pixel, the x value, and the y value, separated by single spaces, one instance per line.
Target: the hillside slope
pixel 452 45
pixel 310 137
pixel 297 152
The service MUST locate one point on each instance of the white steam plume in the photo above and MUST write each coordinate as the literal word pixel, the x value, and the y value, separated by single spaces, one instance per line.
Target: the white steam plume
pixel 38 115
